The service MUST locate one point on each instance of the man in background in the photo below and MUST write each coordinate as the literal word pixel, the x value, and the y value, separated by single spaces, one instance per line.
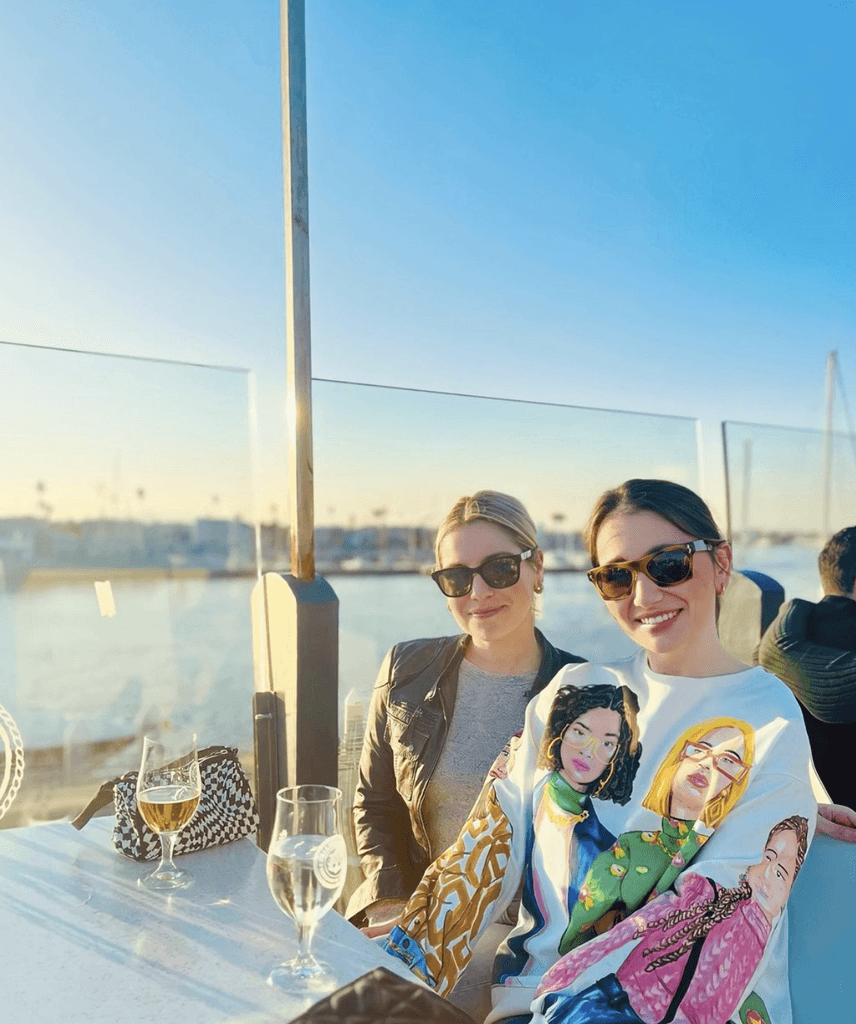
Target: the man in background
pixel 812 648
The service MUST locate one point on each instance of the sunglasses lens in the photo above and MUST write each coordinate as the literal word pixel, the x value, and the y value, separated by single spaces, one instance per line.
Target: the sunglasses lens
pixel 501 572
pixel 454 582
pixel 614 582
pixel 668 568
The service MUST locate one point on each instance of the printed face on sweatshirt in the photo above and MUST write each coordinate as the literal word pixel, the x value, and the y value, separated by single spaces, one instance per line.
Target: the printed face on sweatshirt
pixel 588 745
pixel 706 768
pixel 705 772
pixel 772 877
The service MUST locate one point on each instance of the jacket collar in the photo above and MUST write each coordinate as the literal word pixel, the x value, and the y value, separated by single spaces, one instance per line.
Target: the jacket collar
pixel 452 659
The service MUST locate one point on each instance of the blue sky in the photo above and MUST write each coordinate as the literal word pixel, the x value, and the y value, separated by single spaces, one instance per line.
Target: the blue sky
pixel 635 205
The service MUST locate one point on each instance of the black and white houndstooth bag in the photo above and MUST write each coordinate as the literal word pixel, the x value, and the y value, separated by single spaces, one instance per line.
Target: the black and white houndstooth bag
pixel 227 809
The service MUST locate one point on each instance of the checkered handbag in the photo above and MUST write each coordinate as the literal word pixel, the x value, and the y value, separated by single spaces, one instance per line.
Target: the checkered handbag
pixel 226 811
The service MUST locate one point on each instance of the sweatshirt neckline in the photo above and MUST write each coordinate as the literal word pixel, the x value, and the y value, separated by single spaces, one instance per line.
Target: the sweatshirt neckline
pixel 696 681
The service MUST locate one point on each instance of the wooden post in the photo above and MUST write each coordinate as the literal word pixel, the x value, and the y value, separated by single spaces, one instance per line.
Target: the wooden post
pixel 296 617
pixel 299 363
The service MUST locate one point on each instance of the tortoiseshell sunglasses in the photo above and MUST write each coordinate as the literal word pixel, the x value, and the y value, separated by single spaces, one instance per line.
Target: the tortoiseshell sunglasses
pixel 667 568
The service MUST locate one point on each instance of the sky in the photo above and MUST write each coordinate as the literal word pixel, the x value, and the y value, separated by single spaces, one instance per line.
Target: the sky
pixel 637 206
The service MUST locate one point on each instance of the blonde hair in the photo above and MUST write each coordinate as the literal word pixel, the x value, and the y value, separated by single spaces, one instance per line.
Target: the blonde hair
pixel 494 508
pixel 658 797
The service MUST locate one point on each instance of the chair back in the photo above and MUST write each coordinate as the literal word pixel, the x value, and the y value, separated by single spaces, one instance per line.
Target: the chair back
pixel 750 603
pixel 13 760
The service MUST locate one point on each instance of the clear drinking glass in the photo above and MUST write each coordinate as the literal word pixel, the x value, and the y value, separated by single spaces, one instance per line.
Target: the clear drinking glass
pixel 306 864
pixel 168 791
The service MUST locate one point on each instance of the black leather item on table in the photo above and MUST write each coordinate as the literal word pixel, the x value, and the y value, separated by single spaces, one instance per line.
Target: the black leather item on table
pixel 381 997
pixel 227 809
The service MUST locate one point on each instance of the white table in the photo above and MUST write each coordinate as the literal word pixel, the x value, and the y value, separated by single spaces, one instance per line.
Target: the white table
pixel 82 943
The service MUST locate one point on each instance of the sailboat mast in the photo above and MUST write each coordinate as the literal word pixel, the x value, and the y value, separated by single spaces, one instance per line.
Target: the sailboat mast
pixel 831 360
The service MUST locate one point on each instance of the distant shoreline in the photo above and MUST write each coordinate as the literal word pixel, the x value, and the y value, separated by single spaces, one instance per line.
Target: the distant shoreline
pixel 40 579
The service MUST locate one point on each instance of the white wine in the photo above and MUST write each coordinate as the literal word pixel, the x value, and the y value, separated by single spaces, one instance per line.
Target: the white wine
pixel 167 808
pixel 306 875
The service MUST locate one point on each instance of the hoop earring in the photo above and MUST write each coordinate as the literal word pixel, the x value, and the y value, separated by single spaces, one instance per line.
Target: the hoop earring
pixel 605 780
pixel 550 755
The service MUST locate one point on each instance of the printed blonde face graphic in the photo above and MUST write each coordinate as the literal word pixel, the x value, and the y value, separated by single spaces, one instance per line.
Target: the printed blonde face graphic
pixel 588 745
pixel 705 773
pixel 705 769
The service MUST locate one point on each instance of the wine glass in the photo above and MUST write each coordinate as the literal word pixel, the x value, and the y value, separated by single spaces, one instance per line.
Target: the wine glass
pixel 306 864
pixel 168 791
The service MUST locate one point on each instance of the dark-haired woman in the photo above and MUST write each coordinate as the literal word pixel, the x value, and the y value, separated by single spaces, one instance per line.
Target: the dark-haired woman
pixel 717 736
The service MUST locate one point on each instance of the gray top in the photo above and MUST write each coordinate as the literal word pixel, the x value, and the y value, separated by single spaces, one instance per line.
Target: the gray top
pixel 489 708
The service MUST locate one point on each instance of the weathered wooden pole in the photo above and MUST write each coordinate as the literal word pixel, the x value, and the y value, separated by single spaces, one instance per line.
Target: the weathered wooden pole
pixel 296 617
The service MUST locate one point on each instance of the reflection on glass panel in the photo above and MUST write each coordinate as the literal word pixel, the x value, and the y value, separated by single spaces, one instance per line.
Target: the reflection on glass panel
pixel 784 505
pixel 389 463
pixel 127 557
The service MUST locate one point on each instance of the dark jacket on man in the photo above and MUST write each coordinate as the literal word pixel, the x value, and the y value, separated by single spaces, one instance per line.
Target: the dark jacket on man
pixel 812 648
pixel 408 721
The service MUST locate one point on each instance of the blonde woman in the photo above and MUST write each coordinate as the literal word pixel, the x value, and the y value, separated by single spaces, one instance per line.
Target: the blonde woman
pixel 443 708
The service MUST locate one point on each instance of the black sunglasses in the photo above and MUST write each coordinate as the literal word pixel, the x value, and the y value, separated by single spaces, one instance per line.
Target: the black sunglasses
pixel 498 572
pixel 667 568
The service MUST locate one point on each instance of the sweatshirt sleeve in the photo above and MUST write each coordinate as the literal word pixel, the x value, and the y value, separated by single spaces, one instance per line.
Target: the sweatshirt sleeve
pixel 467 887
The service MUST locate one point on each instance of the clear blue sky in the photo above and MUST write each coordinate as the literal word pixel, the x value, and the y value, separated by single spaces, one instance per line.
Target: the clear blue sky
pixel 637 205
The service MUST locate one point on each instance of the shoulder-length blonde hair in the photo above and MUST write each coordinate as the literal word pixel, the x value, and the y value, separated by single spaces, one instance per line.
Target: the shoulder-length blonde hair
pixel 658 797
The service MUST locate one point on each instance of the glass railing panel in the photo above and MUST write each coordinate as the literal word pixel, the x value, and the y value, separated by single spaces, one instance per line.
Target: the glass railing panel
pixel 389 463
pixel 128 552
pixel 790 489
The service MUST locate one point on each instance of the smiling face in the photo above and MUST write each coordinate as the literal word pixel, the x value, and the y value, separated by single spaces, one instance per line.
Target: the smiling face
pixel 676 625
pixel 706 768
pixel 588 745
pixel 490 615
pixel 771 879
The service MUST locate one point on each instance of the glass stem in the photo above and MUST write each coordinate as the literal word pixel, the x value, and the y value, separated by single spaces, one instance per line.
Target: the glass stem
pixel 304 943
pixel 167 865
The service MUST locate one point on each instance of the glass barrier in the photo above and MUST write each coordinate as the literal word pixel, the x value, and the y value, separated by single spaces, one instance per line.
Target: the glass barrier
pixel 783 504
pixel 389 463
pixel 127 558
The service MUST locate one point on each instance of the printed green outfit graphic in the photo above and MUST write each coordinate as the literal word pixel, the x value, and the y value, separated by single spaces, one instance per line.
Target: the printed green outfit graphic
pixel 700 780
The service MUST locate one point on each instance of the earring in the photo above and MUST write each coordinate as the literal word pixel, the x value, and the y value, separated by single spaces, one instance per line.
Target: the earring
pixel 553 742
pixel 539 587
pixel 605 780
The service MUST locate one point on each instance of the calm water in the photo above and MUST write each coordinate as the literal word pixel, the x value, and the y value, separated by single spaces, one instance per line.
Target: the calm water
pixel 66 674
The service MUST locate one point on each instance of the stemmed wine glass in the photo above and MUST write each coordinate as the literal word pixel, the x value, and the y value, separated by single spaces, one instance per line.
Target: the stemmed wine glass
pixel 168 791
pixel 306 864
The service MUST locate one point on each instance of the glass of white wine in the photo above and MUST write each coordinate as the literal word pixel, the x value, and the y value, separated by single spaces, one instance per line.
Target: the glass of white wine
pixel 168 791
pixel 306 864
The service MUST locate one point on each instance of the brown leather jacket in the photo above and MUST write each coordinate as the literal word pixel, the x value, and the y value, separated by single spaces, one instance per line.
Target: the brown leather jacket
pixel 408 722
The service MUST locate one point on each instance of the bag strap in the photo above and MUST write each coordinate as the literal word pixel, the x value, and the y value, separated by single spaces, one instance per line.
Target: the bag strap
pixel 103 797
pixel 689 970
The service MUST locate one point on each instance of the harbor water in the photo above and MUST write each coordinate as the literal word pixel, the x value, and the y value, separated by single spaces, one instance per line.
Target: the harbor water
pixel 182 648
